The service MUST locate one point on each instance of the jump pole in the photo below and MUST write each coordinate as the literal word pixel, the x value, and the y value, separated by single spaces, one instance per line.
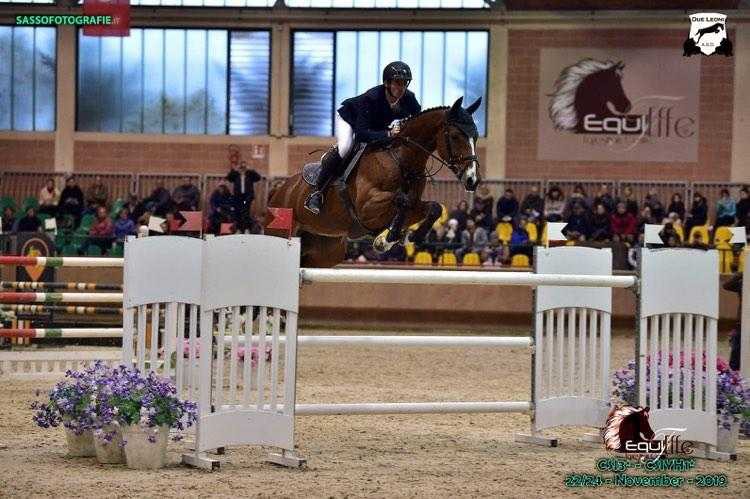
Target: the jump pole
pixel 64 261
pixel 471 277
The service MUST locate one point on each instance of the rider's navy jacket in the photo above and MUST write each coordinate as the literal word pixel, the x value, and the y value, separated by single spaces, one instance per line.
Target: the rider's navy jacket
pixel 370 114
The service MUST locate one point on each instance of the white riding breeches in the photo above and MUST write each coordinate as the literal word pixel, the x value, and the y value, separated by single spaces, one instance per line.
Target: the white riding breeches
pixel 344 136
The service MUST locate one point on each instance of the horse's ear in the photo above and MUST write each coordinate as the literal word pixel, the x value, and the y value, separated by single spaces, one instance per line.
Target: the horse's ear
pixel 457 105
pixel 474 106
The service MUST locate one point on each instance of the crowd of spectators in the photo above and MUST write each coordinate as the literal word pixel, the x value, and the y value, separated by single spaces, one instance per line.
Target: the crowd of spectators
pixel 101 221
pixel 498 230
pixel 495 230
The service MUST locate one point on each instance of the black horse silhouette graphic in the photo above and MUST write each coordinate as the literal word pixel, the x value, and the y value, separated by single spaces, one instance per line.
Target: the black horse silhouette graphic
pixel 714 28
pixel 626 424
pixel 690 47
pixel 589 88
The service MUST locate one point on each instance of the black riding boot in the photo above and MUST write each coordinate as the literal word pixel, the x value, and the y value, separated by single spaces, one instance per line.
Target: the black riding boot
pixel 330 165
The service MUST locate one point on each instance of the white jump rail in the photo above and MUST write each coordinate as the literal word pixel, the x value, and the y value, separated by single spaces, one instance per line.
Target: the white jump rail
pixel 471 277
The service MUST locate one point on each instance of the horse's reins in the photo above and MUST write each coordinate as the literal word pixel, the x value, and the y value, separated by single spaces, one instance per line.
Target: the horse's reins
pixel 452 162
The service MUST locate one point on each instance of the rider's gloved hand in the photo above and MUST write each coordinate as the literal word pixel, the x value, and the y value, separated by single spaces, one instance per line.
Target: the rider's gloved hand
pixel 394 128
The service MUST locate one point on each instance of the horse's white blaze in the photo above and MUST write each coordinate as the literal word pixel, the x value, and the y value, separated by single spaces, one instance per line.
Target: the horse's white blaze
pixel 471 172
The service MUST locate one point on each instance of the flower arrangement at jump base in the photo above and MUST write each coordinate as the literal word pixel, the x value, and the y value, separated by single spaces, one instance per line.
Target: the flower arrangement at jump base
pixel 732 391
pixel 111 409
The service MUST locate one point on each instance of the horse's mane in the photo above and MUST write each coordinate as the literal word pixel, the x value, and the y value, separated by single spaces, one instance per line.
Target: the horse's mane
pixel 612 427
pixel 423 112
pixel 562 103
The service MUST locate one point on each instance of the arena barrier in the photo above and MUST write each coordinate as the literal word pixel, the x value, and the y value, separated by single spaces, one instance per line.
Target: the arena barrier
pixel 231 280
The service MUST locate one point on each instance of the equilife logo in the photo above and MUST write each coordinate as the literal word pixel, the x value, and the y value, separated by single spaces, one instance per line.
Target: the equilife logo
pixel 708 35
pixel 628 430
pixel 588 98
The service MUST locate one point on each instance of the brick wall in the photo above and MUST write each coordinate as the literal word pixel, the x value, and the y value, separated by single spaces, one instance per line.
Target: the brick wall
pixel 161 157
pixel 716 103
pixel 27 154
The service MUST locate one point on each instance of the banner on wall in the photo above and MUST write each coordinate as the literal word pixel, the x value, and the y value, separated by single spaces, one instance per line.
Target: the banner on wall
pixel 618 105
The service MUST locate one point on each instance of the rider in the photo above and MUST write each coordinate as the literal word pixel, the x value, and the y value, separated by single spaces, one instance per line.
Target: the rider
pixel 368 117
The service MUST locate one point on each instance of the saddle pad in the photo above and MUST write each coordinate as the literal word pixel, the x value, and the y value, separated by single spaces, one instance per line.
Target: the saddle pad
pixel 310 172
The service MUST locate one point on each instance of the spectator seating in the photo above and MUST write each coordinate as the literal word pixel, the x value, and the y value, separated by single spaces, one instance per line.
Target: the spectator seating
pixel 471 260
pixel 532 231
pixel 447 259
pixel 520 261
pixel 423 258
pixel 504 232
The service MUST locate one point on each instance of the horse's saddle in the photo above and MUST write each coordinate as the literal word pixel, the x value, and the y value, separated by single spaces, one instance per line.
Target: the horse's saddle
pixel 311 171
pixel 310 174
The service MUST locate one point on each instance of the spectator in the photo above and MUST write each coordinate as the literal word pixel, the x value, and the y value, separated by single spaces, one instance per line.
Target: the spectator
pixel 606 199
pixel 461 215
pixel 677 206
pixel 631 205
pixel 519 242
pixel 579 225
pixel 726 209
pixel 9 219
pixel 160 201
pixel 124 226
pixel 554 205
pixel 134 206
pixel 474 239
pixel 743 207
pixel 101 233
pixel 243 182
pixel 482 211
pixel 674 221
pixel 187 196
pixel 578 197
pixel 735 353
pixel 698 213
pixel 221 207
pixel 29 223
pixel 670 236
pixel 440 239
pixel 49 197
pixel 532 204
pixel 646 217
pixel 623 224
pixel 655 204
pixel 601 227
pixel 97 195
pixel 71 201
pixel 507 206
pixel 698 242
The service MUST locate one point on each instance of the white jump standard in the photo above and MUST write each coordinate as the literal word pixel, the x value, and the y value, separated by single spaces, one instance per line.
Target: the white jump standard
pixel 236 278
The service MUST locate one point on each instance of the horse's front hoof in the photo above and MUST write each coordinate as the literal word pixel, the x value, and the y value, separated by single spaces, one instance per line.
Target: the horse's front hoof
pixel 381 244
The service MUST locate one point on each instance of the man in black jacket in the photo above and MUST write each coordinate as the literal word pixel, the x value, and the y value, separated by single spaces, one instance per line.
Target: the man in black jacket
pixel 369 117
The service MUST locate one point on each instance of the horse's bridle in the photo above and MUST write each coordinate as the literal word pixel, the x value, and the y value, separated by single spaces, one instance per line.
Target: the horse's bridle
pixel 453 161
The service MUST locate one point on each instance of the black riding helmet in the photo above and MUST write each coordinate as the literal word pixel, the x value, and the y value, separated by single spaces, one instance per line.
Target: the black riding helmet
pixel 397 70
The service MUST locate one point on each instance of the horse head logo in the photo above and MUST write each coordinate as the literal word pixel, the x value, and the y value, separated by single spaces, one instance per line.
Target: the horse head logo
pixel 627 424
pixel 588 88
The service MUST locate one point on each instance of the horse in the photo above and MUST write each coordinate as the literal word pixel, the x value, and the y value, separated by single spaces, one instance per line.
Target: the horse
pixel 587 87
pixel 385 188
pixel 714 28
pixel 626 424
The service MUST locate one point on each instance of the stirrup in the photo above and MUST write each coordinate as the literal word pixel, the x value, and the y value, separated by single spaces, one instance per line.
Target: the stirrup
pixel 314 209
